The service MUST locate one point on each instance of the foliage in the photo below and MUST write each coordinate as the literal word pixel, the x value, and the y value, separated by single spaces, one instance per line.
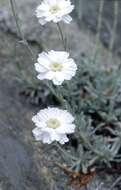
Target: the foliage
pixel 94 97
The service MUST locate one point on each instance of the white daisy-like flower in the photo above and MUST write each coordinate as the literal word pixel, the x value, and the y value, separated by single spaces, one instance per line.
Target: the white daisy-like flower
pixel 53 124
pixel 55 66
pixel 54 10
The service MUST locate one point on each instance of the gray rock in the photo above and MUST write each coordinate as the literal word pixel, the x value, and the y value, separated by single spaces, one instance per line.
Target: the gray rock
pixel 27 20
pixel 89 10
pixel 18 167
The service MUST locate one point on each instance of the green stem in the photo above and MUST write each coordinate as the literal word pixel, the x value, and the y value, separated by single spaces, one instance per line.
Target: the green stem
pixel 62 36
pixel 54 92
pixel 113 34
pixel 78 5
pixel 19 31
pixel 57 93
pixel 101 6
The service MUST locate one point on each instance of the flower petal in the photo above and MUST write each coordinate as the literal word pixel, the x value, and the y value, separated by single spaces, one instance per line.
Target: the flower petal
pixel 54 10
pixel 48 134
pixel 67 19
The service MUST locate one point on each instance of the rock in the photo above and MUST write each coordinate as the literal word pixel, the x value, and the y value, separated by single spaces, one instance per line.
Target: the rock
pixel 18 168
pixel 27 19
pixel 89 10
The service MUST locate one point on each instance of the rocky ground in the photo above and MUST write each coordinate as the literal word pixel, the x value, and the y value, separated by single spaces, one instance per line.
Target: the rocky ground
pixel 25 164
pixel 87 12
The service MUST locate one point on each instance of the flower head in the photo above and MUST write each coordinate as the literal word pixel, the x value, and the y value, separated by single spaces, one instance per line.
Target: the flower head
pixel 52 125
pixel 54 10
pixel 55 66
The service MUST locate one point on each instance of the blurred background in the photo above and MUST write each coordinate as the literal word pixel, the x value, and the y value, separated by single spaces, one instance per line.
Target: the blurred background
pixel 95 30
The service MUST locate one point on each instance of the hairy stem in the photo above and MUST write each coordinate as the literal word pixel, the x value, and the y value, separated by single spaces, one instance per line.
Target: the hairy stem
pixel 113 35
pixel 62 36
pixel 19 31
pixel 99 24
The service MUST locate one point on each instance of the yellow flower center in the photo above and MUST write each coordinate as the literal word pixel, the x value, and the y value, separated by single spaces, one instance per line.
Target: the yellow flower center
pixel 56 67
pixel 53 123
pixel 54 9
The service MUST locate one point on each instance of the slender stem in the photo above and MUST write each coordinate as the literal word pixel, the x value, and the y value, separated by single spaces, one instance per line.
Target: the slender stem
pixel 78 5
pixel 19 31
pixel 101 6
pixel 16 17
pixel 62 36
pixel 113 35
pixel 57 93
pixel 53 91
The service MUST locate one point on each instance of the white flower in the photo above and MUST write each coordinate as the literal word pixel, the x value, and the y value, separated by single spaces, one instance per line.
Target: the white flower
pixel 54 10
pixel 52 125
pixel 55 66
